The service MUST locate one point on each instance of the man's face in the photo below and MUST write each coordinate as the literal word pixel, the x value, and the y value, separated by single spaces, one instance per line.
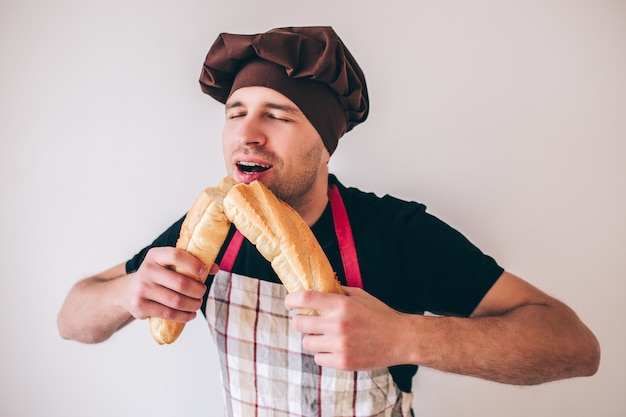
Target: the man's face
pixel 267 138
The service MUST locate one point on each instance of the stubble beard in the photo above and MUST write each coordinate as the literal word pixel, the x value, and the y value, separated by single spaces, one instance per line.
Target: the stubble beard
pixel 294 188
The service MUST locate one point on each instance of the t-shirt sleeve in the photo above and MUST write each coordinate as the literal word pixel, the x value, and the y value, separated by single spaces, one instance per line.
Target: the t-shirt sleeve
pixel 414 261
pixel 449 274
pixel 167 238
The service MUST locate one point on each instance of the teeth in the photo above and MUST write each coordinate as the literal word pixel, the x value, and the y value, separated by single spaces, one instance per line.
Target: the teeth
pixel 252 164
pixel 252 167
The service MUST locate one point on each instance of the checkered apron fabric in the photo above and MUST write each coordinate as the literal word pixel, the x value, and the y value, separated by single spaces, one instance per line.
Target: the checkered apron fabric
pixel 265 371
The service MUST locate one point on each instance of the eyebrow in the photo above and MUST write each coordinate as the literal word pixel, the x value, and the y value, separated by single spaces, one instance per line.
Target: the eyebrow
pixel 268 104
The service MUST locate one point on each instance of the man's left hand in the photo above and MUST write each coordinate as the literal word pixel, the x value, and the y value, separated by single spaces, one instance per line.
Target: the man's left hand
pixel 355 331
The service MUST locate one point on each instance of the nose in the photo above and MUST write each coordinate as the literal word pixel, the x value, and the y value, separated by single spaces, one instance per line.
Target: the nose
pixel 251 133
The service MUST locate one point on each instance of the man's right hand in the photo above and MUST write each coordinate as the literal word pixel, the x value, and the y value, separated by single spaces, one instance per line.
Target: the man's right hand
pixel 98 306
pixel 157 290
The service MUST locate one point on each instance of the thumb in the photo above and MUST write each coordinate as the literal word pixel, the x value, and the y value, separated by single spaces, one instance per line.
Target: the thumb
pixel 351 291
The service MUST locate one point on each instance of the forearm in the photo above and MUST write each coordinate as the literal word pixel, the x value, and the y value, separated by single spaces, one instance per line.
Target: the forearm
pixel 531 344
pixel 92 311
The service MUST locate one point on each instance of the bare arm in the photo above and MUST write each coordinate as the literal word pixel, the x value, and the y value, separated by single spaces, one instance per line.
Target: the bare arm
pixel 92 310
pixel 97 307
pixel 517 335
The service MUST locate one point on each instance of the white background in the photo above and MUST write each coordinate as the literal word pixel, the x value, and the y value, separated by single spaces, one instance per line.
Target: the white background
pixel 508 119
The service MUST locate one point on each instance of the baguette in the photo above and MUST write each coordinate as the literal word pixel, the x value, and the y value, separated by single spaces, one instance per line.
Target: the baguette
pixel 202 234
pixel 275 228
pixel 282 237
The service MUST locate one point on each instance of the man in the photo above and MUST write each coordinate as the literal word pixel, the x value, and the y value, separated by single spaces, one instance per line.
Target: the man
pixel 289 95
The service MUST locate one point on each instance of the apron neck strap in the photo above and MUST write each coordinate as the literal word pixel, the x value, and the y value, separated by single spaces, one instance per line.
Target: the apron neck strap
pixel 343 230
pixel 228 260
pixel 347 249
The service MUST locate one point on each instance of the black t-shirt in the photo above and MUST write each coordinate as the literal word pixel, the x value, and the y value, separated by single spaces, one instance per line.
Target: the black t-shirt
pixel 408 259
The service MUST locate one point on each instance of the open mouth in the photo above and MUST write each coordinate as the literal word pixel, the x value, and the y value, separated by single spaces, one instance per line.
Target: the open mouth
pixel 252 167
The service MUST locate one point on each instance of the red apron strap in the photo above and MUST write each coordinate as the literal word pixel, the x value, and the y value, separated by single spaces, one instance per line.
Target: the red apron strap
pixel 345 238
pixel 228 260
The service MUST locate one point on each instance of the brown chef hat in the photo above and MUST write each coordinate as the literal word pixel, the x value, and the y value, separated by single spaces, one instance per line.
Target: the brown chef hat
pixel 309 65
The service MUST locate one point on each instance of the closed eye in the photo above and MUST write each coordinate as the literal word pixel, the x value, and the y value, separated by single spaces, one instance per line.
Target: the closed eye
pixel 278 118
pixel 234 115
pixel 235 110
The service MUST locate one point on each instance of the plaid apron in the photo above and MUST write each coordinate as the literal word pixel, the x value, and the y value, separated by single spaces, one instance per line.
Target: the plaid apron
pixel 265 371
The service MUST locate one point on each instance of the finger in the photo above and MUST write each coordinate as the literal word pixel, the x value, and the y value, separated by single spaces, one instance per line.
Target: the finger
pixel 214 269
pixel 155 300
pixel 352 291
pixel 315 343
pixel 307 324
pixel 178 259
pixel 164 312
pixel 294 300
pixel 180 284
pixel 177 301
pixel 324 355
pixel 331 360
pixel 167 287
pixel 310 300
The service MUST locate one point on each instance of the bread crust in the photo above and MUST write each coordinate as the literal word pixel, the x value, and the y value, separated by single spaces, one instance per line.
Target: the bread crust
pixel 202 234
pixel 282 237
pixel 275 228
